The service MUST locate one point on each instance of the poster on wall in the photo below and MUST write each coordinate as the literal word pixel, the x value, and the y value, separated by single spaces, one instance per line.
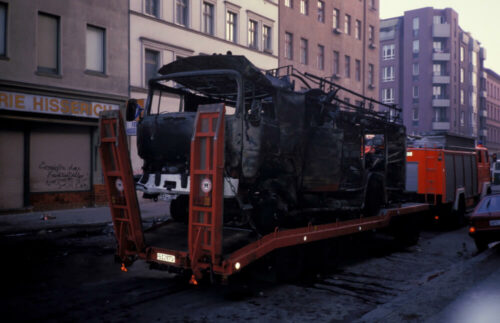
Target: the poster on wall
pixel 60 159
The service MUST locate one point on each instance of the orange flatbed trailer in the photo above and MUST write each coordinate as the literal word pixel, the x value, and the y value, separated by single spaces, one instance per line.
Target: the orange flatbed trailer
pixel 204 245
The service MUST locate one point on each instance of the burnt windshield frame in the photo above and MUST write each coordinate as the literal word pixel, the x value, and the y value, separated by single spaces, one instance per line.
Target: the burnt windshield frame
pixel 155 85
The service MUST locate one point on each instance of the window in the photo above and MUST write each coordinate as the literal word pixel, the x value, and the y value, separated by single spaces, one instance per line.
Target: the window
pixel 462 97
pixel 347 66
pixel 439 20
pixel 370 74
pixel 152 8
pixel 416 69
pixel 388 74
pixel 335 16
pixel 474 58
pixel 231 30
pixel 357 29
pixel 266 39
pixel 48 43
pixel 321 57
pixel 151 62
pixel 3 29
pixel 415 92
pixel 372 4
pixel 252 34
pixel 182 12
pixel 437 46
pixel 371 34
pixel 462 118
pixel 95 50
pixel 416 46
pixel 289 45
pixel 358 70
pixel 437 92
pixel 321 11
pixel 304 7
pixel 303 51
pixel 462 75
pixel 415 114
pixel 388 52
pixel 347 25
pixel 289 3
pixel 336 63
pixel 416 23
pixel 462 53
pixel 436 69
pixel 208 18
pixel 388 95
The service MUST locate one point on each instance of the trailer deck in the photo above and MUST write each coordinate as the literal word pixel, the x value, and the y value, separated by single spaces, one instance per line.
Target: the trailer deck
pixel 203 245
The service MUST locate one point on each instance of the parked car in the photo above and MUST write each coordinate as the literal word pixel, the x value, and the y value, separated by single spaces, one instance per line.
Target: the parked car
pixel 485 222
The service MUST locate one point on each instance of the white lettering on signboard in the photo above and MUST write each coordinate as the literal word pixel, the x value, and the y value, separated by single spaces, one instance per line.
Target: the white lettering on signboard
pixel 52 105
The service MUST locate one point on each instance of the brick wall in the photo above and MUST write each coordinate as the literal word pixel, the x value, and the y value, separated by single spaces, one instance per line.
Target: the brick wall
pixel 63 200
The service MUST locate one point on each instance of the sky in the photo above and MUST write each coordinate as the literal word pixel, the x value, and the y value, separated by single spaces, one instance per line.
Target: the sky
pixel 479 17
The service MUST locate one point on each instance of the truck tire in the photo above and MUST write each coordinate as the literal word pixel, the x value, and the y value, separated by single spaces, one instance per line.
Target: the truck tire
pixel 179 208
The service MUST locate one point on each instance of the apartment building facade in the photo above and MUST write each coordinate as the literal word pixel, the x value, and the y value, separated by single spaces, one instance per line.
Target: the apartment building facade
pixel 61 63
pixel 335 39
pixel 432 69
pixel 491 95
pixel 162 31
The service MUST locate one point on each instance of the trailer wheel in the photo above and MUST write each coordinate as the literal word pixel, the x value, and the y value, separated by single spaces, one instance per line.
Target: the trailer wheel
pixel 406 229
pixel 481 244
pixel 179 208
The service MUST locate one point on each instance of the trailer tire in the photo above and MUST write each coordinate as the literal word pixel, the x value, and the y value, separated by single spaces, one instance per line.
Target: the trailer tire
pixel 407 230
pixel 179 208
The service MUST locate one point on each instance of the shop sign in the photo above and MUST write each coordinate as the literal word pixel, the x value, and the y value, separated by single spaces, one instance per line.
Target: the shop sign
pixel 52 105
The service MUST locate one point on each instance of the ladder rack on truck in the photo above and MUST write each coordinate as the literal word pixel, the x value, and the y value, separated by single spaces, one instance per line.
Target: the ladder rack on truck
pixel 204 245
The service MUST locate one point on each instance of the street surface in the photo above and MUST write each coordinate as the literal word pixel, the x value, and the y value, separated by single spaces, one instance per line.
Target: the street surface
pixel 69 275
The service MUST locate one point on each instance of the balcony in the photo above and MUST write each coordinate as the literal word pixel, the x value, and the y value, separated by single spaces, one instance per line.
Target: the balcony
pixel 483 75
pixel 441 30
pixel 483 94
pixel 483 113
pixel 440 79
pixel 441 56
pixel 441 103
pixel 441 125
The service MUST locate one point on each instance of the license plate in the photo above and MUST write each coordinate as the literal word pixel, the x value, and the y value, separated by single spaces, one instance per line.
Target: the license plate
pixel 495 223
pixel 165 257
pixel 165 197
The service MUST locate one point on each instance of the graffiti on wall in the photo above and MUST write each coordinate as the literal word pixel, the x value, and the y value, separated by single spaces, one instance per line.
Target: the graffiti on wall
pixel 64 177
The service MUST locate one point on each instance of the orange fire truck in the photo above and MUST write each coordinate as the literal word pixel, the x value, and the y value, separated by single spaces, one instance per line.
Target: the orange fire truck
pixel 448 172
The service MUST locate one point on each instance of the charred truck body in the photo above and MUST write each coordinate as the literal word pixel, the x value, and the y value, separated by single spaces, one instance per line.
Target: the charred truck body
pixel 291 158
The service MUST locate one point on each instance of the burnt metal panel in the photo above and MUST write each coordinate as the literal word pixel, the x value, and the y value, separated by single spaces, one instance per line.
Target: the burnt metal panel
pixel 450 175
pixel 412 176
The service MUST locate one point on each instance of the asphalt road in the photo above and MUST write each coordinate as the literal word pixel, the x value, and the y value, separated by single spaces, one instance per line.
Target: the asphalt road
pixel 69 275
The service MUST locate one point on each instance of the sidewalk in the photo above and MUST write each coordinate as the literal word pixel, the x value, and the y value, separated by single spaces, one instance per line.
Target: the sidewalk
pixel 44 220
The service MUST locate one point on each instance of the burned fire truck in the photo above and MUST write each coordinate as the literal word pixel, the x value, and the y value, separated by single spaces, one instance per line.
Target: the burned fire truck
pixel 252 166
pixel 289 156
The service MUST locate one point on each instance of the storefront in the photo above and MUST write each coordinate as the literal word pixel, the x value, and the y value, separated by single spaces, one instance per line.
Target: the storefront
pixel 48 150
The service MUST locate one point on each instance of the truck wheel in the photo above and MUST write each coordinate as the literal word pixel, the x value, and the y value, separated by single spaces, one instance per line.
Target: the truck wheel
pixel 179 208
pixel 481 244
